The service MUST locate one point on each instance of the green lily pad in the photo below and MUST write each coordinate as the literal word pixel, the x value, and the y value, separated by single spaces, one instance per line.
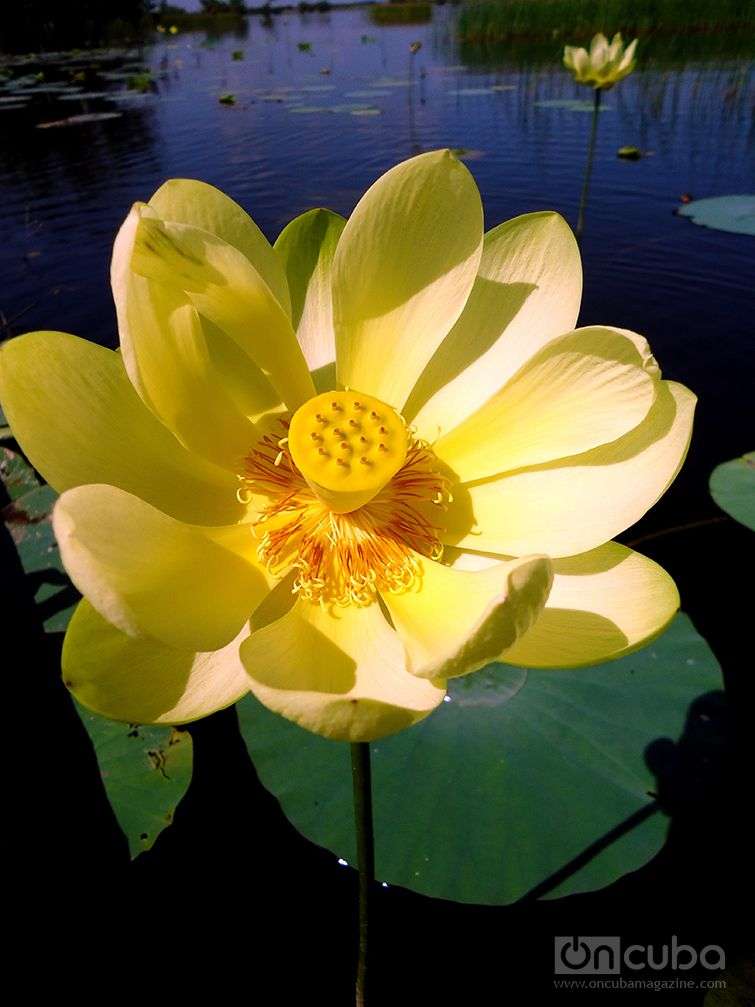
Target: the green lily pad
pixel 27 518
pixel 79 120
pixel 470 92
pixel 571 105
pixel 522 782
pixel 383 82
pixel 735 214
pixel 145 771
pixel 629 153
pixel 732 486
pixel 49 89
pixel 309 109
pixel 370 93
pixel 85 96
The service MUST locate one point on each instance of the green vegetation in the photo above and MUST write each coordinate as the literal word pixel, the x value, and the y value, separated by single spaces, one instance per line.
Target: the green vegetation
pixel 141 82
pixel 667 28
pixel 401 13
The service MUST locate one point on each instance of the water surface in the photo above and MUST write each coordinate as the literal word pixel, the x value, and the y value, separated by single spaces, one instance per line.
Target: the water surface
pixel 325 102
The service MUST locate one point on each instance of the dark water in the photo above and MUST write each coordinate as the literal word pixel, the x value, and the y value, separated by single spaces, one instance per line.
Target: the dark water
pixel 297 137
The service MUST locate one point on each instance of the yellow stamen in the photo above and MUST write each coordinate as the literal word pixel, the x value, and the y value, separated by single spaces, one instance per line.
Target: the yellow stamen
pixel 346 558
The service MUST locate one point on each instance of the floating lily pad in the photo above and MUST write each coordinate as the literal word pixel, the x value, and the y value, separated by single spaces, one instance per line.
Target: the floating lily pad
pixel 471 92
pixel 524 781
pixel 85 96
pixel 629 153
pixel 735 214
pixel 383 82
pixel 48 89
pixel 133 96
pixel 732 486
pixel 571 105
pixel 145 771
pixel 370 93
pixel 79 120
pixel 309 109
pixel 280 96
pixel 116 74
pixel 332 109
pixel 27 518
pixel 227 99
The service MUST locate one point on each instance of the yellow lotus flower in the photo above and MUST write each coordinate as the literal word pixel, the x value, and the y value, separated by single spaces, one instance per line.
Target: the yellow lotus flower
pixel 342 470
pixel 605 64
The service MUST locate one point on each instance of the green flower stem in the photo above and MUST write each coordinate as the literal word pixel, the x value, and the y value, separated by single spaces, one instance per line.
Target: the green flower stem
pixel 362 780
pixel 588 167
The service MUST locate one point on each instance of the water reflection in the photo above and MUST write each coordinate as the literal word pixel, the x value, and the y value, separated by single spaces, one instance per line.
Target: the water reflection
pixel 316 126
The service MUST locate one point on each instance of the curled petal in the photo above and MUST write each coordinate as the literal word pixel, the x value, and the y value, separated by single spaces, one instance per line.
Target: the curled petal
pixel 225 288
pixel 141 681
pixel 340 673
pixel 189 587
pixel 457 621
pixel 187 201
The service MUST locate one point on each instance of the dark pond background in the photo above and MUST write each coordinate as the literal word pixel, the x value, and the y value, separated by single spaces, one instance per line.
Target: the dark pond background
pixel 233 888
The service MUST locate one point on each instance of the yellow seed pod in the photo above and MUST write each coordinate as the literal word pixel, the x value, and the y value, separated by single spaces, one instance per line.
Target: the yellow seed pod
pixel 347 446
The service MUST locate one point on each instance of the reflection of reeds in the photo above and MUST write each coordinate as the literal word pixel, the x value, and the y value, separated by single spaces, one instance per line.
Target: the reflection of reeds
pixel 668 28
pixel 401 13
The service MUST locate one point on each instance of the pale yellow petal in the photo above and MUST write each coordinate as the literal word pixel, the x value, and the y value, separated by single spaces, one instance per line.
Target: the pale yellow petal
pixel 583 389
pixel 150 575
pixel 581 65
pixel 403 270
pixel 457 621
pixel 178 378
pixel 79 420
pixel 225 288
pixel 338 673
pixel 566 507
pixel 527 291
pixel 598 51
pixel 186 370
pixel 141 681
pixel 306 248
pixel 187 201
pixel 604 604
